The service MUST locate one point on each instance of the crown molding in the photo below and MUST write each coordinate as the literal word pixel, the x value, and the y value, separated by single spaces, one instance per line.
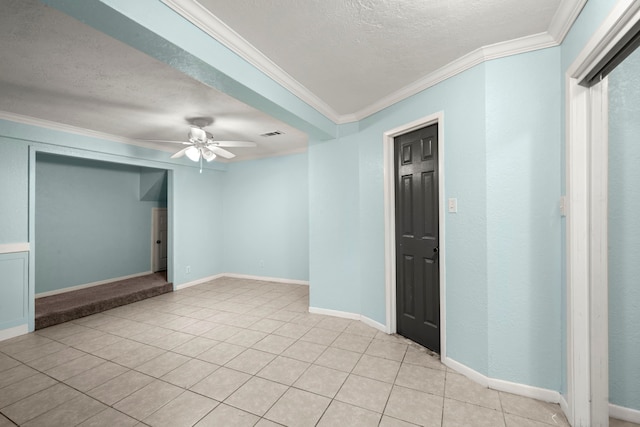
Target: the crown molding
pixel 61 127
pixel 470 60
pixel 202 18
pixel 47 124
pixel 564 18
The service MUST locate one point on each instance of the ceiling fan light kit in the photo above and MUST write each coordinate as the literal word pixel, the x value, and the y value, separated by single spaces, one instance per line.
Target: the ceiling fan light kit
pixel 192 153
pixel 201 145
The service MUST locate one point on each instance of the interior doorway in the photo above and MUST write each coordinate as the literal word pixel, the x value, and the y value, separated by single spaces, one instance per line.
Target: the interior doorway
pixel 390 195
pixel 587 399
pixel 159 236
pixel 90 225
pixel 417 236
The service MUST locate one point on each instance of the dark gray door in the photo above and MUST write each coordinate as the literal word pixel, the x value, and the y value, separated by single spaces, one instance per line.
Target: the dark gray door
pixel 417 265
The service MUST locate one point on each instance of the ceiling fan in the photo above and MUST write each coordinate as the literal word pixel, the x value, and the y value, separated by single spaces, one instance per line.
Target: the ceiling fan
pixel 201 144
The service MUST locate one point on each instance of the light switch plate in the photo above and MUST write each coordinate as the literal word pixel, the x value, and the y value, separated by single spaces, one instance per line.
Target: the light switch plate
pixel 453 205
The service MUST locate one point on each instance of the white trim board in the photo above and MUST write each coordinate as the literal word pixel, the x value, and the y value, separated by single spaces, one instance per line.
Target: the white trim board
pixel 89 285
pixel 389 222
pixel 624 414
pixel 193 11
pixel 203 19
pixel 16 331
pixel 61 127
pixel 197 282
pixel 268 279
pixel 587 378
pixel 241 276
pixel 502 385
pixel 10 248
pixel 348 315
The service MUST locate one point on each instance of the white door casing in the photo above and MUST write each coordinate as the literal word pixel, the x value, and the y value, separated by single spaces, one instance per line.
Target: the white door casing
pixel 389 222
pixel 587 254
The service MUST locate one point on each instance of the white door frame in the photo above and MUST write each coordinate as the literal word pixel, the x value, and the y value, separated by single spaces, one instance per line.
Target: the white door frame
pixel 587 254
pixel 154 245
pixel 390 221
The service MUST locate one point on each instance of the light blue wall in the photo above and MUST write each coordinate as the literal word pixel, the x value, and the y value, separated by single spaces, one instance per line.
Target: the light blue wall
pixel 462 100
pixel 333 225
pixel 198 221
pixel 486 282
pixel 624 233
pixel 266 217
pixel 14 290
pixel 153 185
pixel 17 139
pixel 523 220
pixel 14 196
pixel 90 224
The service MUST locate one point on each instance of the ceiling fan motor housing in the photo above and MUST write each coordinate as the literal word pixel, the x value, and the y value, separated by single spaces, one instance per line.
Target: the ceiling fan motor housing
pixel 197 135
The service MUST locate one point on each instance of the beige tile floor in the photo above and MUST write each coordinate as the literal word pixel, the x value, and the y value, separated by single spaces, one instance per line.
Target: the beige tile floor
pixel 237 352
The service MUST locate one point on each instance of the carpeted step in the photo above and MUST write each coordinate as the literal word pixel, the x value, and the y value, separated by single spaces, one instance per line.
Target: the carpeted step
pixel 67 306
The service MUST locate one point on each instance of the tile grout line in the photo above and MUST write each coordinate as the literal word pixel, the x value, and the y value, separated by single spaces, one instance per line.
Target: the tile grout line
pixel 174 305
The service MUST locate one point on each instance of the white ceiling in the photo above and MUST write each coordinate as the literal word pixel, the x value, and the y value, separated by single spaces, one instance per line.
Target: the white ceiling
pixel 344 57
pixel 351 53
pixel 58 69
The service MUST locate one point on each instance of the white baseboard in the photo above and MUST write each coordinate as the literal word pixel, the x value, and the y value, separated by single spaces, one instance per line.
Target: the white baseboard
pixel 349 315
pixel 9 248
pixel 334 313
pixel 242 276
pixel 473 375
pixel 370 322
pixel 267 279
pixel 624 414
pixel 89 285
pixel 501 385
pixel 199 281
pixel 16 331
pixel 525 390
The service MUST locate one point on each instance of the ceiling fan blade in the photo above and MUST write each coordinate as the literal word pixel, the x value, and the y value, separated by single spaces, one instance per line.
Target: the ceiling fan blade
pixel 180 153
pixel 167 140
pixel 235 143
pixel 221 152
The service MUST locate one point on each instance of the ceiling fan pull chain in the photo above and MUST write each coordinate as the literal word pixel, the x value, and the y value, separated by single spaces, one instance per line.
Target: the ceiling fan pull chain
pixel 200 163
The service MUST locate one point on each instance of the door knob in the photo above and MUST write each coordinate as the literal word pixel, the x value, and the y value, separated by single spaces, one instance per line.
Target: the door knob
pixel 435 250
pixel 158 241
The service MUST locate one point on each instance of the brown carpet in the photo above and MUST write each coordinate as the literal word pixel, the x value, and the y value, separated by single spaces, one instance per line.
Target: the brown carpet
pixel 84 302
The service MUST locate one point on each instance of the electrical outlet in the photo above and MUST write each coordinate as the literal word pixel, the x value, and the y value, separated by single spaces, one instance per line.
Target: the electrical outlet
pixel 187 269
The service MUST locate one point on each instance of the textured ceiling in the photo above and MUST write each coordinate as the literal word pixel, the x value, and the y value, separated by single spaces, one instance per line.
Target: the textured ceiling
pixel 351 53
pixel 55 68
